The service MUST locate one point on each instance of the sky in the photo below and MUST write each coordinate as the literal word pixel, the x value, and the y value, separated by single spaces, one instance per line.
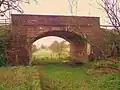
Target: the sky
pixel 61 7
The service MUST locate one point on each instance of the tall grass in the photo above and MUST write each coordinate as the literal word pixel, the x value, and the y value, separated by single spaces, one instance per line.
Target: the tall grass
pixel 19 78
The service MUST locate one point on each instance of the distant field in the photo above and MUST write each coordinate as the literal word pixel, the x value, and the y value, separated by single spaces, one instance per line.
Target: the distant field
pixel 47 53
pixel 42 53
pixel 46 56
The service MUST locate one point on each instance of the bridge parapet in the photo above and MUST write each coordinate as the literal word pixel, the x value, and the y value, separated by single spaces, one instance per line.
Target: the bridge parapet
pixel 49 20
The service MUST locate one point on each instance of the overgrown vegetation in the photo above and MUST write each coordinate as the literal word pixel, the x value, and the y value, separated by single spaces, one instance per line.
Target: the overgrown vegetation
pixel 78 78
pixel 19 78
pixel 4 38
pixel 112 43
pixel 3 55
pixel 58 77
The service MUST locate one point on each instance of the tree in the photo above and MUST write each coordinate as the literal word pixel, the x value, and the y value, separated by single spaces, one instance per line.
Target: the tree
pixel 62 48
pixel 73 5
pixel 58 48
pixel 43 46
pixel 112 44
pixel 112 9
pixel 6 5
pixel 54 47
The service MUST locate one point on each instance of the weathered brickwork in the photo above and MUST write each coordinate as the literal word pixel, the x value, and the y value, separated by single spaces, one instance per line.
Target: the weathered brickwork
pixel 28 28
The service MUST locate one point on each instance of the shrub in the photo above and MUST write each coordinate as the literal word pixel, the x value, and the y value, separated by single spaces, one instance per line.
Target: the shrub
pixel 3 56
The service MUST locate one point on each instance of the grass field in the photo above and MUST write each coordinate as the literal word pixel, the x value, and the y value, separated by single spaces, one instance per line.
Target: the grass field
pixel 46 56
pixel 57 77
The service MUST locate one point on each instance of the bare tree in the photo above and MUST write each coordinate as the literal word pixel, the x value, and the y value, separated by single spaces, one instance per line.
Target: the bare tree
pixel 112 9
pixel 73 5
pixel 6 5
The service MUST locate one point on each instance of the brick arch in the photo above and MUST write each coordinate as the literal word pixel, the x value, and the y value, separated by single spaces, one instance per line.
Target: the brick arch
pixel 68 36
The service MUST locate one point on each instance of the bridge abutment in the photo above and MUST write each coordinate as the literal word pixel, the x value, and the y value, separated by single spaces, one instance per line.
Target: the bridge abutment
pixel 18 50
pixel 18 56
pixel 78 51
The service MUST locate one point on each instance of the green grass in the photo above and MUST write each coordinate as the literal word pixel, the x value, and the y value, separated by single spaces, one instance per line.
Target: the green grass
pixel 57 77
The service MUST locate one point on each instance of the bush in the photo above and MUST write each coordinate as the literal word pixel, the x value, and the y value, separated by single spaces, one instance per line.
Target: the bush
pixel 5 37
pixel 3 61
pixel 3 56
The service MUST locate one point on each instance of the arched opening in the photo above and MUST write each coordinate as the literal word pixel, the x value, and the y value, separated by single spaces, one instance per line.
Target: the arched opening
pixel 50 49
pixel 77 47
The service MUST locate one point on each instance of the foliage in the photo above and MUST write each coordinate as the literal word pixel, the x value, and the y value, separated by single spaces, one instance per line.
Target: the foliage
pixel 59 48
pixel 54 47
pixel 112 45
pixel 4 39
pixel 3 56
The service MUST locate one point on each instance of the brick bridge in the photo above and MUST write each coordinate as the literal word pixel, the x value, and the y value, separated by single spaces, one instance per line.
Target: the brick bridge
pixel 26 29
